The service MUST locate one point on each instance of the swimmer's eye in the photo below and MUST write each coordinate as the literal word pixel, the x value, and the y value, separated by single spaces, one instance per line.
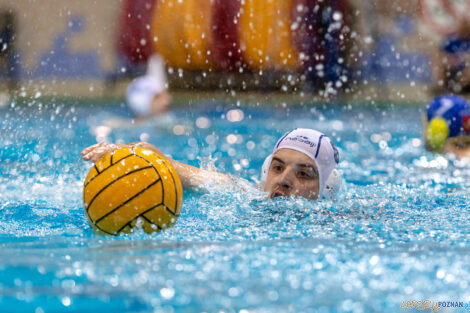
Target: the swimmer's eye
pixel 277 168
pixel 306 175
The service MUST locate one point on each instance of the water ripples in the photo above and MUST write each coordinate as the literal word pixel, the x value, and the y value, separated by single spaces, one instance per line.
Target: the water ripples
pixel 399 229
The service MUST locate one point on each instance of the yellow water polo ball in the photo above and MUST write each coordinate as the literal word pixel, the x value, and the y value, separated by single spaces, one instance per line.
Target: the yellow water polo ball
pixel 132 187
pixel 437 132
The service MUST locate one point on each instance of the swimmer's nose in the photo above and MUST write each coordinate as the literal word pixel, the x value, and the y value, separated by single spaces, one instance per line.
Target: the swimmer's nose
pixel 285 180
pixel 285 185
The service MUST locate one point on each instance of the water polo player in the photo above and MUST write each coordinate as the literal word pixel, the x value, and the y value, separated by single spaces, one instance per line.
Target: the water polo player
pixel 303 163
pixel 447 125
pixel 148 95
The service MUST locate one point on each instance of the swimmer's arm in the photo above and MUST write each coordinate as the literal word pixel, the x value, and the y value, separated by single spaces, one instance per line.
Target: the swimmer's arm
pixel 191 176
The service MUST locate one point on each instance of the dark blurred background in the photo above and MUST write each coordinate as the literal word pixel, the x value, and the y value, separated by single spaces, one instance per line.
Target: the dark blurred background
pixel 392 49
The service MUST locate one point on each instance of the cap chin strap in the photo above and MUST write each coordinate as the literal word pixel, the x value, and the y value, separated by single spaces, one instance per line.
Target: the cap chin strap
pixel 333 183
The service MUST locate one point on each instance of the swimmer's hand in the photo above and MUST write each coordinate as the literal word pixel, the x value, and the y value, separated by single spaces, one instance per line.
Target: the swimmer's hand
pixel 97 151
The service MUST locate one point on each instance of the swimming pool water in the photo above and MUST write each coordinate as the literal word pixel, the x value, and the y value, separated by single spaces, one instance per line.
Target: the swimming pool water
pixel 399 230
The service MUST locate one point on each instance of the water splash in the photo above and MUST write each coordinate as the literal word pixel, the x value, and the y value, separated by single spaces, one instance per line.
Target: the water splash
pixel 401 217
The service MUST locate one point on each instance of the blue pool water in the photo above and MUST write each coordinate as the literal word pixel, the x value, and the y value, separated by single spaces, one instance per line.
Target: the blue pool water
pixel 399 230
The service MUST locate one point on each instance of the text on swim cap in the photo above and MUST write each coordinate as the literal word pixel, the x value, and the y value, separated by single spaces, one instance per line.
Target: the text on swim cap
pixel 302 139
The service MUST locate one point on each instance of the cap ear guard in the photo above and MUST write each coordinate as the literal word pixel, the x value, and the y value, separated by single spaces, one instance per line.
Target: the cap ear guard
pixel 156 69
pixel 333 183
pixel 265 170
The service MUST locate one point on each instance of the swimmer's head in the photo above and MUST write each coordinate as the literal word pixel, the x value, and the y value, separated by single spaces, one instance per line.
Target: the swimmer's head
pixel 446 117
pixel 303 163
pixel 141 93
pixel 147 95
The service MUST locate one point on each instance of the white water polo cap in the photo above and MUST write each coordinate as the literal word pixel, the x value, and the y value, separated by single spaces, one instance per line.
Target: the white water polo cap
pixel 320 149
pixel 142 90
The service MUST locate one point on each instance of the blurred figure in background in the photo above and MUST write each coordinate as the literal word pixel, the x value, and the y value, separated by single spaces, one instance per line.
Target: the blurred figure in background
pixel 324 38
pixel 133 38
pixel 147 96
pixel 451 61
pixel 8 68
pixel 446 126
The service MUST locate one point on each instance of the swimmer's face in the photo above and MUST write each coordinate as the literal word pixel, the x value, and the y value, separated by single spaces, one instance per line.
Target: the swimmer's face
pixel 161 103
pixel 292 173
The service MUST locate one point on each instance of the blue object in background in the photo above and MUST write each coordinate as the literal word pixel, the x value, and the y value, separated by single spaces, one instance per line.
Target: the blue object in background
pixel 385 63
pixel 59 61
pixel 456 45
pixel 450 108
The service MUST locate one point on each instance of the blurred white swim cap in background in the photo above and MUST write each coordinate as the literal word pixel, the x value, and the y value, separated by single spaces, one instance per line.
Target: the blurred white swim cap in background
pixel 142 90
pixel 156 68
